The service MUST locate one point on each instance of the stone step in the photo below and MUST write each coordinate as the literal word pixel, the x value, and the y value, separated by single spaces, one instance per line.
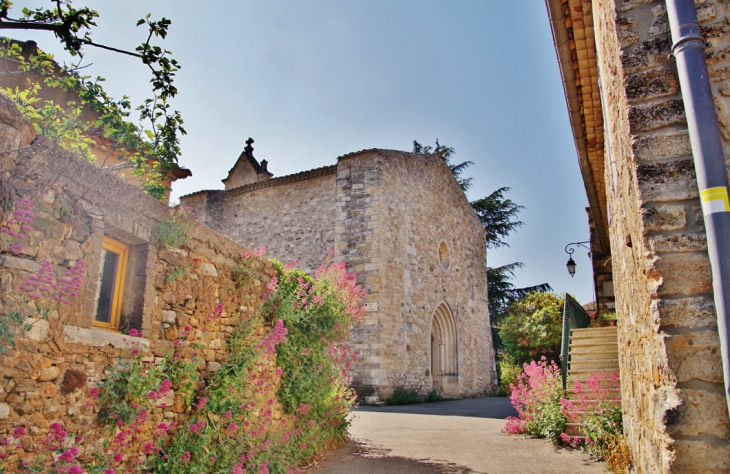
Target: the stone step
pixel 611 348
pixel 609 365
pixel 607 392
pixel 610 359
pixel 582 376
pixel 591 405
pixel 593 340
pixel 588 332
pixel 572 429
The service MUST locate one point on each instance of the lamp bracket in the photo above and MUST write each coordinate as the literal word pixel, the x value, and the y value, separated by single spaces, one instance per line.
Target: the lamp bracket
pixel 569 248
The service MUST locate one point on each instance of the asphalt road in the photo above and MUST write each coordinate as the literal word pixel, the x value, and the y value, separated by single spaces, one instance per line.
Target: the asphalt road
pixel 462 436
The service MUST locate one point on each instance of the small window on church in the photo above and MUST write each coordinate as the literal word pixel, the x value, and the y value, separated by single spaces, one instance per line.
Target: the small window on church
pixel 114 257
pixel 444 256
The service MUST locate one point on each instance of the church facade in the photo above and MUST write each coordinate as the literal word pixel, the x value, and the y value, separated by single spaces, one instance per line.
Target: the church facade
pixel 402 223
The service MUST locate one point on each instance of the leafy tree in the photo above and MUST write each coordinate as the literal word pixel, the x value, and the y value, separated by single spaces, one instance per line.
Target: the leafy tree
pixel 502 292
pixel 498 215
pixel 151 150
pixel 533 328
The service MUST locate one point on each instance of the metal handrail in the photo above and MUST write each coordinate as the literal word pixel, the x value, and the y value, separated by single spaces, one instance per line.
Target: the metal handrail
pixel 574 317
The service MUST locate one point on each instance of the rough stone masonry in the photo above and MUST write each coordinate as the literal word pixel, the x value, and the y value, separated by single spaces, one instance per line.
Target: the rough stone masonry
pixel 638 155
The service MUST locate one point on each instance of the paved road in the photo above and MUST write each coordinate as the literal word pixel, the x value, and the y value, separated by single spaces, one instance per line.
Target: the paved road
pixel 457 437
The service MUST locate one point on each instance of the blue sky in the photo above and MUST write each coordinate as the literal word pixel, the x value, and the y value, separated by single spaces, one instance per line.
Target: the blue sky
pixel 313 80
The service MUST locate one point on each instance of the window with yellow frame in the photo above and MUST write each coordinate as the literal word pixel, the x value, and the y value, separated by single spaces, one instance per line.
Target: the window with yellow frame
pixel 113 269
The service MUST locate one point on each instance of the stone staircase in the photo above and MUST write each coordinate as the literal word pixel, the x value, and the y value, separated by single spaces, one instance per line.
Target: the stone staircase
pixel 592 350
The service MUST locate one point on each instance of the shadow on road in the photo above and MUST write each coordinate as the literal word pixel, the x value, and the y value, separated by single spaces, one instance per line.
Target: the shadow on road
pixel 488 407
pixel 362 459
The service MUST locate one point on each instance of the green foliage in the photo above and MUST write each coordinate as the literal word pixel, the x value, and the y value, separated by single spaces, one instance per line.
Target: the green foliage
pixel 434 395
pixel 61 124
pixel 178 229
pixel 498 214
pixel 502 292
pixel 533 328
pixel 608 316
pixel 405 395
pixel 177 273
pixel 149 151
pixel 507 373
pixel 126 386
pixel 245 271
pixel 10 326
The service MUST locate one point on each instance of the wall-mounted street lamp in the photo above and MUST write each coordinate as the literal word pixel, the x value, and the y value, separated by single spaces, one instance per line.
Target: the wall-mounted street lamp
pixel 569 250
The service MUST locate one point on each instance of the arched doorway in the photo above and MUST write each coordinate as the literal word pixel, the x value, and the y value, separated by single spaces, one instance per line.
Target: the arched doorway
pixel 444 350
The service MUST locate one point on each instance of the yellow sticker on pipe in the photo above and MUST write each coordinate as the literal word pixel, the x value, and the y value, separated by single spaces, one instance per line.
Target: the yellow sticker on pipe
pixel 714 200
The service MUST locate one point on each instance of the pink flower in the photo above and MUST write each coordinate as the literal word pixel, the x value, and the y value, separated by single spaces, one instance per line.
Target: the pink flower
pixel 201 403
pixel 18 432
pixel 303 446
pixel 185 457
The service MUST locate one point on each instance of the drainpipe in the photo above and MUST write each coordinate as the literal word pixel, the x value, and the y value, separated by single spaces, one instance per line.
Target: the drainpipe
pixel 704 134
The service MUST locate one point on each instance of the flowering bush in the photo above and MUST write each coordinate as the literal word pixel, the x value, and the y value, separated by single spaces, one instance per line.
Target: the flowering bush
pixel 598 412
pixel 42 291
pixel 537 400
pixel 301 357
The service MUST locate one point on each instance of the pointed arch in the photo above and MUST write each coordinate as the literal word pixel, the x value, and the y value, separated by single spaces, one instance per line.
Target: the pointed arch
pixel 444 345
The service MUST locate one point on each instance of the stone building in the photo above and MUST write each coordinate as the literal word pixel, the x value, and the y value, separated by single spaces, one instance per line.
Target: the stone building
pixel 401 222
pixel 649 242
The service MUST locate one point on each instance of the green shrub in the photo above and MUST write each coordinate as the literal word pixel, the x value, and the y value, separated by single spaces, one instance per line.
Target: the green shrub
pixel 533 328
pixel 434 395
pixel 404 396
pixel 508 373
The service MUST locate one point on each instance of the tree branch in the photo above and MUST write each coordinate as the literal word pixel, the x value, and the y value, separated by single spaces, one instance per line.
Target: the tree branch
pixel 26 25
pixel 109 48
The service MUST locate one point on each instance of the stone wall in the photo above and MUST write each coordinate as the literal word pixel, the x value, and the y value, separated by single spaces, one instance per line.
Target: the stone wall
pixel 675 412
pixel 292 216
pixel 46 378
pixel 423 210
pixel 358 242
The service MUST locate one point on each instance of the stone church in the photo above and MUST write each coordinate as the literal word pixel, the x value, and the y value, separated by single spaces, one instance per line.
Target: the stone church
pixel 402 223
